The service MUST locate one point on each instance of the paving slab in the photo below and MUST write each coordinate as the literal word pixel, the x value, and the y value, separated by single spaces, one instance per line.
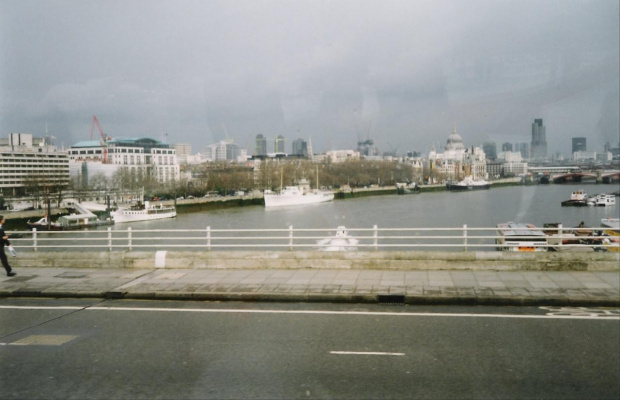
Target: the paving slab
pixel 322 285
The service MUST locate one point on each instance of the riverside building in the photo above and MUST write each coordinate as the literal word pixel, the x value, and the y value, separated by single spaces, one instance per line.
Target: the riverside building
pixel 139 156
pixel 26 162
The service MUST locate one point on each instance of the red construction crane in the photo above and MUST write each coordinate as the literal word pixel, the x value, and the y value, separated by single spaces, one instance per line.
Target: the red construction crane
pixel 104 139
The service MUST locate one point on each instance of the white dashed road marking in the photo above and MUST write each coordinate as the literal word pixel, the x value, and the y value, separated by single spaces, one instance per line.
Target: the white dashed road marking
pixel 366 353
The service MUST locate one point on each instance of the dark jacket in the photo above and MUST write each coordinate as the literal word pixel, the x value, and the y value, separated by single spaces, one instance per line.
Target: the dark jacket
pixel 3 242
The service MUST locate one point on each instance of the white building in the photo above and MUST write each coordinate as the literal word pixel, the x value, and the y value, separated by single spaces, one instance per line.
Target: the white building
pixel 140 156
pixel 338 156
pixel 513 164
pixel 592 156
pixel 224 150
pixel 25 161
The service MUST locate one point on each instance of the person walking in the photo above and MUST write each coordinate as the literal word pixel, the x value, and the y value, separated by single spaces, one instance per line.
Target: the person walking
pixel 4 240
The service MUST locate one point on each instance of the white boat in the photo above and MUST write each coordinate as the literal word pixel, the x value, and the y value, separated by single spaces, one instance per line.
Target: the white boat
pixel 340 242
pixel 577 198
pixel 70 222
pixel 612 223
pixel 521 237
pixel 468 184
pixel 42 225
pixel 297 195
pixel 294 196
pixel 143 212
pixel 605 200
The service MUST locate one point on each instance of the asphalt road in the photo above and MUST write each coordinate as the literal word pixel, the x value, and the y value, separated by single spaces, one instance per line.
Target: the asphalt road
pixel 89 349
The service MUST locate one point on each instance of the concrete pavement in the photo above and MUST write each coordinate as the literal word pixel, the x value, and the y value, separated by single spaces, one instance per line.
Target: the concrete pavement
pixel 574 288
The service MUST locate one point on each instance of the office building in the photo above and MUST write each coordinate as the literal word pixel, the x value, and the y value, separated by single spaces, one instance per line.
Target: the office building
pixel 579 144
pixel 139 156
pixel 524 149
pixel 507 146
pixel 539 140
pixel 26 161
pixel 224 150
pixel 261 145
pixel 490 150
pixel 300 147
pixel 279 145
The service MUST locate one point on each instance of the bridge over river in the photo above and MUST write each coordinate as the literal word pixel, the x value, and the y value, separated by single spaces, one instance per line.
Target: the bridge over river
pixel 565 174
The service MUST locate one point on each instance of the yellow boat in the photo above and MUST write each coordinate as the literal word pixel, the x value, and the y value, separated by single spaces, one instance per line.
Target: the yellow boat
pixel 611 233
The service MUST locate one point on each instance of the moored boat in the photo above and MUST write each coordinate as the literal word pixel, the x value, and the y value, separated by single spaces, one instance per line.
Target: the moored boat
pixel 603 200
pixel 293 196
pixel 297 195
pixel 43 225
pixel 468 184
pixel 611 233
pixel 407 188
pixel 144 212
pixel 521 237
pixel 557 235
pixel 70 222
pixel 578 198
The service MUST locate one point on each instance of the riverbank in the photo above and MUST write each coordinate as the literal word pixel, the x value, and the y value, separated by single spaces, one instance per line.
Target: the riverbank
pixel 17 220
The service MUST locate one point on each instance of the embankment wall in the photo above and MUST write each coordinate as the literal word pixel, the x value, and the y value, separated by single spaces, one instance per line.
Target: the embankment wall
pixel 392 260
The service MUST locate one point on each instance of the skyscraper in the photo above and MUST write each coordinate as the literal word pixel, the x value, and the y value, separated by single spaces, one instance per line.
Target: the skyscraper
pixel 300 147
pixel 261 145
pixel 507 146
pixel 539 140
pixel 279 144
pixel 524 149
pixel 579 144
pixel 490 150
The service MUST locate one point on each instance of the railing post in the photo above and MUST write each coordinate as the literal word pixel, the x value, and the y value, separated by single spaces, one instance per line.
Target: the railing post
pixel 109 239
pixel 34 238
pixel 290 237
pixel 208 238
pixel 129 238
pixel 560 234
pixel 465 237
pixel 376 237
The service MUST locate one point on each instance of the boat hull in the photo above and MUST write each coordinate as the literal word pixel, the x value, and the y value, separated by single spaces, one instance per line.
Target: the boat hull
pixel 59 227
pixel 456 187
pixel 574 203
pixel 135 216
pixel 278 200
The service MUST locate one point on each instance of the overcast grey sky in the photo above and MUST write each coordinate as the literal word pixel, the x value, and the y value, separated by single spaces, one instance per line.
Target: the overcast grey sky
pixel 400 72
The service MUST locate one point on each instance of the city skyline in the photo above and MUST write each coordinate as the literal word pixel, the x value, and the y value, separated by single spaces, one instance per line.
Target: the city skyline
pixel 400 73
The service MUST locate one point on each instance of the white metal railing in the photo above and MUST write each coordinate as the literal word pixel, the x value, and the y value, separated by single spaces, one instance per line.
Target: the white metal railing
pixel 455 239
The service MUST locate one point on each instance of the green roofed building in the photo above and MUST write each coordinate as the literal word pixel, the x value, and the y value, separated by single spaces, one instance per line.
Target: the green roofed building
pixel 140 156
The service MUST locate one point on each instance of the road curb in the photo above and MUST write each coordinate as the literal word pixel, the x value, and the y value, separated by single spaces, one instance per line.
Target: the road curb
pixel 325 298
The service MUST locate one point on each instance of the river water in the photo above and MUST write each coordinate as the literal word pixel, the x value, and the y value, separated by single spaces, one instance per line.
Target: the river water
pixel 536 204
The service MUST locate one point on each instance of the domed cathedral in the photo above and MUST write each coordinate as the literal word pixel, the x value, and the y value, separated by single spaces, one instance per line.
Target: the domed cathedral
pixel 457 161
pixel 455 141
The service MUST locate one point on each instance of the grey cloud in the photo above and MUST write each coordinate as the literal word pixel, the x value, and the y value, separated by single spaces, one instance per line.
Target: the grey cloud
pixel 401 72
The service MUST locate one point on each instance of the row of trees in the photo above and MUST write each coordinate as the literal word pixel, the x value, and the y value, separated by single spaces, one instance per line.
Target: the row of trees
pixel 225 177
